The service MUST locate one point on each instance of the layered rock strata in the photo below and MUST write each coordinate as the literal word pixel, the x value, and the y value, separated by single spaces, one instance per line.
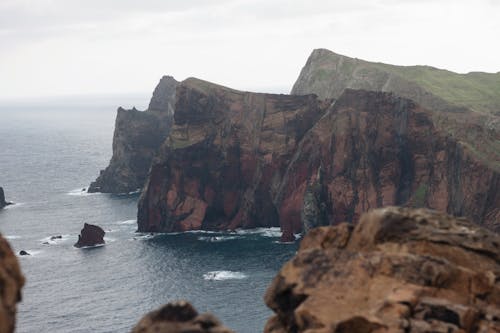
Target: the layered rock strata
pixel 238 159
pixel 11 283
pixel 136 139
pixel 397 270
pixel 179 317
pixel 222 166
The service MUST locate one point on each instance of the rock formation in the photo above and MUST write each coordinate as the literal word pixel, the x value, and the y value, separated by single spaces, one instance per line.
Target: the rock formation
pixel 397 270
pixel 11 283
pixel 467 106
pixel 238 159
pixel 90 235
pixel 223 163
pixel 136 139
pixel 3 203
pixel 179 317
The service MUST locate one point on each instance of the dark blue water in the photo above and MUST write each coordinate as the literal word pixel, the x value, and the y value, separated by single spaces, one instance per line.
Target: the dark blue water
pixel 48 153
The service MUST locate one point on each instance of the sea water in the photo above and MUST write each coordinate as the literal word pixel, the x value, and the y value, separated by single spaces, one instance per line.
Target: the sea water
pixel 49 153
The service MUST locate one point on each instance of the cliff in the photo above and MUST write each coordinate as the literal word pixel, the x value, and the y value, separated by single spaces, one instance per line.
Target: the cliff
pixel 467 106
pixel 397 270
pixel 11 283
pixel 223 163
pixel 136 139
pixel 238 159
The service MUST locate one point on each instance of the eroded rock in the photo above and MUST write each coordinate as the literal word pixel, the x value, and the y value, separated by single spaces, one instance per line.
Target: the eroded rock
pixel 11 283
pixel 179 317
pixel 398 270
pixel 3 203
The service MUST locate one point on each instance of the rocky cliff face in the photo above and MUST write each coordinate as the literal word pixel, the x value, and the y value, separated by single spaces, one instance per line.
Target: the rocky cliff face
pixel 467 106
pixel 11 283
pixel 237 159
pixel 223 165
pixel 136 139
pixel 398 270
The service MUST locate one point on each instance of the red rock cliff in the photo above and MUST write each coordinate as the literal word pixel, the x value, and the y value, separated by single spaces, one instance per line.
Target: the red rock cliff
pixel 237 159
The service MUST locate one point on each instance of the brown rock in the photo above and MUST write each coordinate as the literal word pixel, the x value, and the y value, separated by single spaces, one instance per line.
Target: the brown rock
pixel 179 317
pixel 240 160
pixel 398 270
pixel 90 235
pixel 11 283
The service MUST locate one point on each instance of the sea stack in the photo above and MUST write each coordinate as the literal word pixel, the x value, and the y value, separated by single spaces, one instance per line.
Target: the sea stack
pixel 91 235
pixel 3 203
pixel 397 270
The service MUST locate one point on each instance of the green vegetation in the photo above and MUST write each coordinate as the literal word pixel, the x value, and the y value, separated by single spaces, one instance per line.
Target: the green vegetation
pixel 477 91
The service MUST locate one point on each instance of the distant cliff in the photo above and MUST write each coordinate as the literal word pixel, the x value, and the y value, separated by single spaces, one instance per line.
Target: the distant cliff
pixel 3 202
pixel 136 139
pixel 238 159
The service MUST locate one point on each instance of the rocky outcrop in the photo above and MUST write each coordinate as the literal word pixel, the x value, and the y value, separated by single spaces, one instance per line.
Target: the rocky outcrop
pixel 237 159
pixel 136 139
pixel 11 283
pixel 3 203
pixel 90 235
pixel 179 317
pixel 397 270
pixel 222 166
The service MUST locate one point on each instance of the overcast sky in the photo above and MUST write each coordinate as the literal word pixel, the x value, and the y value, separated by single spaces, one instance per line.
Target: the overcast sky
pixel 72 47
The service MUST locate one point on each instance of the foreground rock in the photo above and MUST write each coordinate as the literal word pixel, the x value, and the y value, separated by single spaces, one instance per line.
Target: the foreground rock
pixel 11 283
pixel 179 317
pixel 136 139
pixel 398 270
pixel 90 235
pixel 3 203
pixel 241 160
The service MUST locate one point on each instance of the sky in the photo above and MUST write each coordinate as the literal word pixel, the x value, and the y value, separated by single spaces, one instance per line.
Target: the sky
pixel 83 47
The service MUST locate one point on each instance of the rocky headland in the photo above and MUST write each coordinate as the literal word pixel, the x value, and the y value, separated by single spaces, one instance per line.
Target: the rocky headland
pixel 3 202
pixel 137 137
pixel 11 283
pixel 240 160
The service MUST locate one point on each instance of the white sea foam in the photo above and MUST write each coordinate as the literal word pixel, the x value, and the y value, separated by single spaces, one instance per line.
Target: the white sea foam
pixel 14 205
pixel 144 236
pixel 217 238
pixel 265 232
pixel 126 222
pixel 91 247
pixel 52 240
pixel 81 192
pixel 224 275
pixel 12 237
pixel 32 253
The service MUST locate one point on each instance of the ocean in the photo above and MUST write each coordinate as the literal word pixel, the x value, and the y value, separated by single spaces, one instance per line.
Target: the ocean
pixel 50 151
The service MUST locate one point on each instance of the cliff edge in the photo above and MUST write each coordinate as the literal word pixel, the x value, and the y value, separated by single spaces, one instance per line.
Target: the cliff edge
pixel 136 140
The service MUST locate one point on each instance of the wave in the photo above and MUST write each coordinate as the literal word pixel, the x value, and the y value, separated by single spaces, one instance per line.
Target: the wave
pixel 52 240
pixel 82 191
pixel 32 253
pixel 265 232
pixel 12 237
pixel 217 238
pixel 14 205
pixel 91 247
pixel 126 222
pixel 224 275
